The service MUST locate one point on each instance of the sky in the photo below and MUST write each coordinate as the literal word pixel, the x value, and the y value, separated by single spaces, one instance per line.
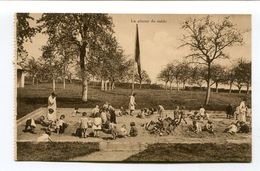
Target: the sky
pixel 159 37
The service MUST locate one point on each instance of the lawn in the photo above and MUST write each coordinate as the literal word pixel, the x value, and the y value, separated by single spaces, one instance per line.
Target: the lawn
pixel 32 97
pixel 208 152
pixel 53 151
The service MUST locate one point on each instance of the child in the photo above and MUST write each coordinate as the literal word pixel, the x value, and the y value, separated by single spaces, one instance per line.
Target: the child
pixel 133 130
pixel 122 111
pixel 232 128
pixel 177 114
pixel 141 114
pixel 122 132
pixel 30 126
pixel 244 128
pixel 51 116
pixel 209 127
pixel 75 112
pixel 45 137
pixel 103 116
pixel 95 111
pixel 112 114
pixel 196 127
pixel 183 115
pixel 97 125
pixel 202 111
pixel 84 124
pixel 61 125
pixel 161 111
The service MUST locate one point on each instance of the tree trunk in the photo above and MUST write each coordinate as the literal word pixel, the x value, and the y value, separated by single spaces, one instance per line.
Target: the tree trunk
pixel 247 88
pixel 102 85
pixel 230 87
pixel 113 85
pixel 105 88
pixel 208 85
pixel 140 84
pixel 178 88
pixel 53 84
pixel 216 87
pixel 37 82
pixel 70 79
pixel 165 85
pixel 82 56
pixel 109 85
pixel 64 82
pixel 84 89
pixel 183 85
pixel 171 86
pixel 239 89
pixel 33 80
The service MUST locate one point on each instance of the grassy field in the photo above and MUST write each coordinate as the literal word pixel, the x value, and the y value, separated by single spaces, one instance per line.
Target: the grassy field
pixel 53 151
pixel 32 97
pixel 208 152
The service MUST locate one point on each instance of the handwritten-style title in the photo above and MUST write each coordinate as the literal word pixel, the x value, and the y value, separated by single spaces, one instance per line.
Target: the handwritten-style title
pixel 148 21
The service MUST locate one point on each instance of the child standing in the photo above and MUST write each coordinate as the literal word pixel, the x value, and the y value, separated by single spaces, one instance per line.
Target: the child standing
pixel 84 124
pixel 97 124
pixel 161 111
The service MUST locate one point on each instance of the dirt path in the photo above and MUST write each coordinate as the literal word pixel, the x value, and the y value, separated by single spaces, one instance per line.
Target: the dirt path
pixel 106 156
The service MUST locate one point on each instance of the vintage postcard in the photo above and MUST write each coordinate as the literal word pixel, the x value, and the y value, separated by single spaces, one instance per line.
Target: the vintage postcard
pixel 133 87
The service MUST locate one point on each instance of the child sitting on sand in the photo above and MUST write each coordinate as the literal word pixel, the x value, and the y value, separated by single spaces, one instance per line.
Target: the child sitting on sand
pixel 61 125
pixel 122 111
pixel 232 128
pixel 133 130
pixel 209 127
pixel 141 114
pixel 75 112
pixel 195 127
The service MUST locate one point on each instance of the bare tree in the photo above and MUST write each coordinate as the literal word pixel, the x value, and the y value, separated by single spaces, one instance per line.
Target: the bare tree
pixel 207 39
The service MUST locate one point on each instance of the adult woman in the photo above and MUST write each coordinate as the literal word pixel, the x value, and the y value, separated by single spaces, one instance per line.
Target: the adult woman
pixel 52 107
pixel 132 103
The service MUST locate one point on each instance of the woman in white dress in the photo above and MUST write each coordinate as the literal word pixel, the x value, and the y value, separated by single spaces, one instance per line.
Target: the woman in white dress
pixel 242 111
pixel 52 105
pixel 132 103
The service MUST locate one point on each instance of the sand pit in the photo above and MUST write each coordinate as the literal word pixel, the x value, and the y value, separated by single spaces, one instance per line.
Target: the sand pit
pixel 180 135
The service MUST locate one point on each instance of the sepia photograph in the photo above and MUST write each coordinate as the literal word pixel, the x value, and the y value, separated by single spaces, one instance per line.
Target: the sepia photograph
pixel 133 88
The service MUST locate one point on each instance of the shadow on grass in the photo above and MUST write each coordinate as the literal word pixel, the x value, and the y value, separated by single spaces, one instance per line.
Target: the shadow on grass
pixel 53 151
pixel 208 152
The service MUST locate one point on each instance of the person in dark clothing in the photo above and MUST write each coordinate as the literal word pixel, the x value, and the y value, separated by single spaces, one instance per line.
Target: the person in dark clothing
pixel 112 115
pixel 244 128
pixel 133 130
pixel 229 111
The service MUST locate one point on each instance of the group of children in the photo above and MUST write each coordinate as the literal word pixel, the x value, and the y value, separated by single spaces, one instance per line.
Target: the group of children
pixel 104 119
pixel 51 125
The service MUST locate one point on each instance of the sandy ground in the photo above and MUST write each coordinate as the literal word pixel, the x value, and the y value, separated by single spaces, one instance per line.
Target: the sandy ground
pixel 180 135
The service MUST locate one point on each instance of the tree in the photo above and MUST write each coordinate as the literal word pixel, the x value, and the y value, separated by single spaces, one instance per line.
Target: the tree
pixel 24 33
pixel 218 75
pixel 144 78
pixel 230 77
pixel 33 68
pixel 52 64
pixel 165 75
pixel 82 32
pixel 185 71
pixel 197 76
pixel 243 75
pixel 207 39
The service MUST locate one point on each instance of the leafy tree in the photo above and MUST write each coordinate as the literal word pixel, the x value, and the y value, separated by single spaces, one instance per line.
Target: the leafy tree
pixel 207 39
pixel 144 78
pixel 165 75
pixel 243 75
pixel 24 33
pixel 80 31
